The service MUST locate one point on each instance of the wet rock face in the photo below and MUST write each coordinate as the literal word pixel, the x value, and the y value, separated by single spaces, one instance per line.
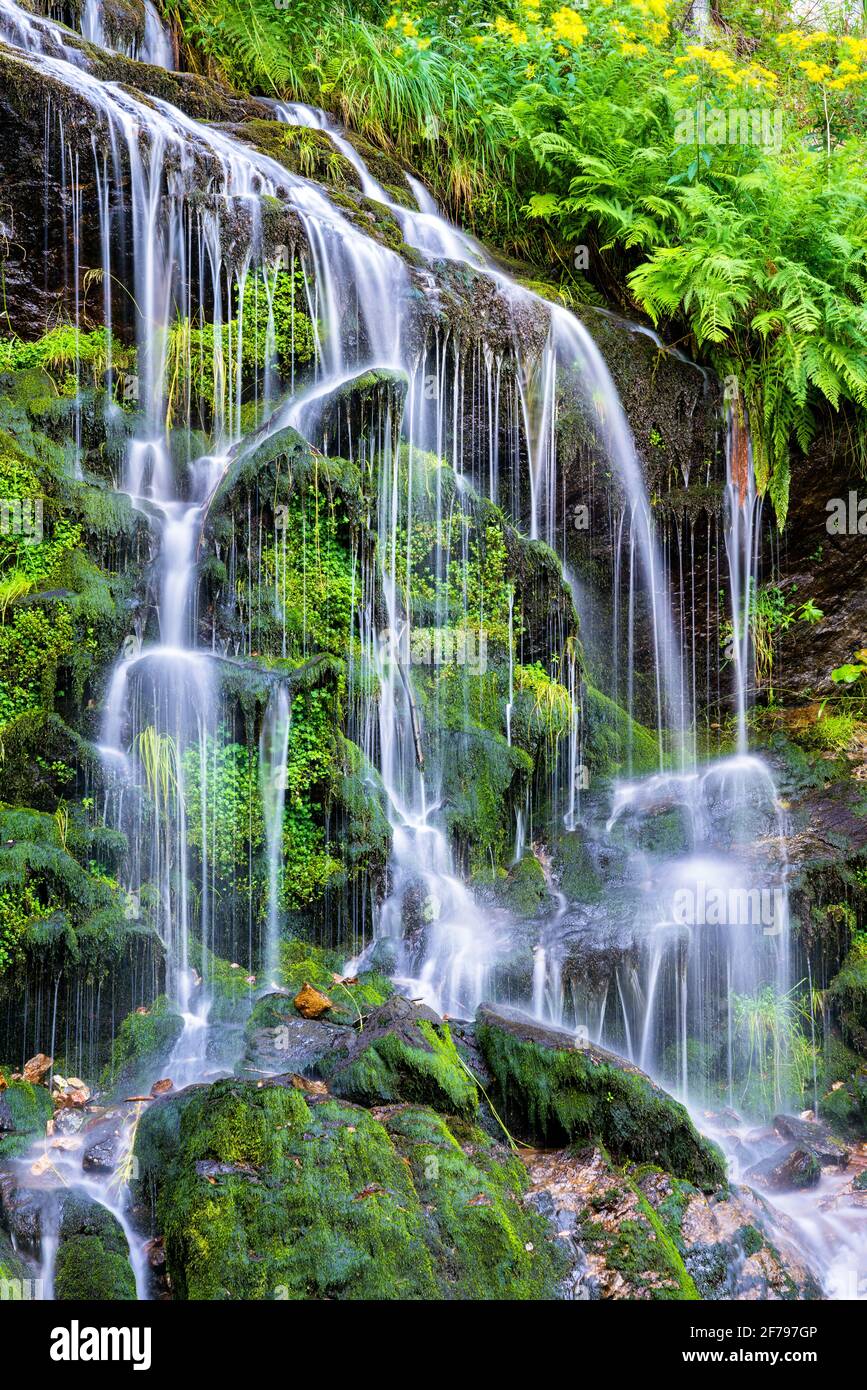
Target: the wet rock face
pixel 641 1234
pixel 829 568
pixel 817 1139
pixel 291 1044
pixel 788 1168
pixel 553 1089
pixel 36 209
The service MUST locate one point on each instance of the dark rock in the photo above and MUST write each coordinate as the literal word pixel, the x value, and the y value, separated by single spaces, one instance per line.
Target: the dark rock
pixel 816 1138
pixel 790 1167
pixel 277 1040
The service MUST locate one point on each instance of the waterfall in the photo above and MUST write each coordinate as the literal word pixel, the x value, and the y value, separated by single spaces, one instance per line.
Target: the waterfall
pixel 703 897
pixel 273 749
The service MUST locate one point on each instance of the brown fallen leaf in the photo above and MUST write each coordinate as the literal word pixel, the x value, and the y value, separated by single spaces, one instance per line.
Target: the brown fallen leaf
pixel 344 979
pixel 3 1082
pixel 313 1088
pixel 159 1088
pixel 481 1199
pixel 373 1189
pixel 310 1002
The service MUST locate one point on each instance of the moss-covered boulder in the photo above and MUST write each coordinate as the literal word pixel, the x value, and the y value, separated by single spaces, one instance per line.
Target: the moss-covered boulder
pixel 486 1243
pixel 844 1106
pixel 403 1052
pixel 351 997
pixel 142 1046
pixel 261 1192
pixel 93 1255
pixel 553 1090
pixel 24 1112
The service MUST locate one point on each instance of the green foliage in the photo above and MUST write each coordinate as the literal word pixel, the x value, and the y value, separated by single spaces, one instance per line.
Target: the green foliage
pixel 64 351
pixel 776 1058
pixel 24 1113
pixel 204 363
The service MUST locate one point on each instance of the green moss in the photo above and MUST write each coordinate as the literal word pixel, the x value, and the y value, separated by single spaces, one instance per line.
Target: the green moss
pixel 142 1046
pixel 15 1275
pixel 260 1194
pixel 417 1063
pixel 848 991
pixel 639 1247
pixel 24 1113
pixel 302 963
pixel 86 1270
pixel 554 1095
pixel 613 742
pixel 267 1197
pixel 487 1243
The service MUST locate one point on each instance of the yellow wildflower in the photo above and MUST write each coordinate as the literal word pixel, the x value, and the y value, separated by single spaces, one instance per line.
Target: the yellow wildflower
pixel 391 22
pixel 568 26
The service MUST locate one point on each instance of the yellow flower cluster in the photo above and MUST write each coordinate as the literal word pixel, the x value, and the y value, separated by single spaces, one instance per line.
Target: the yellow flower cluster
pixel 409 26
pixel 655 16
pixel 722 63
pixel 797 40
pixel 510 30
pixel 817 72
pixel 633 50
pixel 568 26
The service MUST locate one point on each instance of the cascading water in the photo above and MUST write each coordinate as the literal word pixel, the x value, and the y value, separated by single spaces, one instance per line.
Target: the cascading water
pixel 192 193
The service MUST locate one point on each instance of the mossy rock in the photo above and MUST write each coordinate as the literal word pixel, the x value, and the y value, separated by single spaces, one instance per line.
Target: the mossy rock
pixel 263 1193
pixel 93 1255
pixel 403 1052
pixel 95 1265
pixel 142 1046
pixel 24 1113
pixel 486 1241
pixel 552 1091
pixel 302 963
pixel 525 889
pixel 845 1108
